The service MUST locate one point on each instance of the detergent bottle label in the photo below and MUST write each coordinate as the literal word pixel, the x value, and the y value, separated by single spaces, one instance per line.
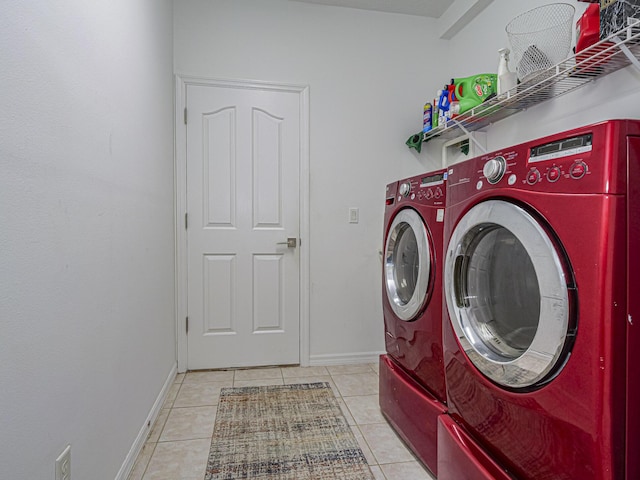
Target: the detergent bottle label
pixel 426 117
pixel 472 91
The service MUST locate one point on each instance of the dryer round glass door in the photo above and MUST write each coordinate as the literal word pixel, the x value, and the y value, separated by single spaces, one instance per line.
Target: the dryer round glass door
pixel 407 264
pixel 507 294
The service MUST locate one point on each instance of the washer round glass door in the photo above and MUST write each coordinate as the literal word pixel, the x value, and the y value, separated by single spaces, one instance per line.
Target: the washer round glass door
pixel 407 264
pixel 507 294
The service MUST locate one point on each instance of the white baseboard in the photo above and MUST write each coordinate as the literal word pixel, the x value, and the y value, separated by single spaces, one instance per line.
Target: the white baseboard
pixel 344 358
pixel 140 440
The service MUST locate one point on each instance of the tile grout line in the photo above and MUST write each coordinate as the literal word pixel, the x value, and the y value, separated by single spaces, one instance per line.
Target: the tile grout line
pixel 144 471
pixel 155 444
pixel 357 425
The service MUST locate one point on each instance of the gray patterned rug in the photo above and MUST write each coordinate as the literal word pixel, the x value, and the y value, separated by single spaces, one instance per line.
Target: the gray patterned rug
pixel 290 432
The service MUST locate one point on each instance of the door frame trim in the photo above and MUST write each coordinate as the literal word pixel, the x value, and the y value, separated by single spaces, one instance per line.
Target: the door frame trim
pixel 180 200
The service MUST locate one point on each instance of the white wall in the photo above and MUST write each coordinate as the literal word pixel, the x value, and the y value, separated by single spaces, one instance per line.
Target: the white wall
pixel 87 332
pixel 475 50
pixel 367 76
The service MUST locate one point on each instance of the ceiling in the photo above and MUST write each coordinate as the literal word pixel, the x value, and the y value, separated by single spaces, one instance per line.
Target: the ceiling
pixel 423 8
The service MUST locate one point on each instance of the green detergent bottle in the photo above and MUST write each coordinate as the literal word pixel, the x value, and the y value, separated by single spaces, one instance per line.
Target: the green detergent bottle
pixel 472 91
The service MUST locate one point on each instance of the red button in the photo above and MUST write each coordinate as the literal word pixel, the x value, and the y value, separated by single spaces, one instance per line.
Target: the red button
pixel 533 176
pixel 553 174
pixel 578 170
pixel 429 194
pixel 438 192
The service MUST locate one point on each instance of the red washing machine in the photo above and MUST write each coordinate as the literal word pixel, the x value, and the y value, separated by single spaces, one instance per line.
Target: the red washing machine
pixel 541 280
pixel 412 385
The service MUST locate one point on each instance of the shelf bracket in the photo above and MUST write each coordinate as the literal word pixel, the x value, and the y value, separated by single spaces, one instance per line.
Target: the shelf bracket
pixel 469 134
pixel 628 53
pixel 631 23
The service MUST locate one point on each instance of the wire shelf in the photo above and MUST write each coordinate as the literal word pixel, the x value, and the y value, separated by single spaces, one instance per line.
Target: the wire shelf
pixel 607 56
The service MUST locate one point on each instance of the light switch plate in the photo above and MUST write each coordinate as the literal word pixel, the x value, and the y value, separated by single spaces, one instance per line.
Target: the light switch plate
pixel 354 215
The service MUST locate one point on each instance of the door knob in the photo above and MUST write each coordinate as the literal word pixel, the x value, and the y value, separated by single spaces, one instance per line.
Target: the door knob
pixel 290 243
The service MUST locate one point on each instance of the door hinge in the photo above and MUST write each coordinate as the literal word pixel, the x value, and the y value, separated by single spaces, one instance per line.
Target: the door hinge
pixel 187 324
pixel 185 115
pixel 186 220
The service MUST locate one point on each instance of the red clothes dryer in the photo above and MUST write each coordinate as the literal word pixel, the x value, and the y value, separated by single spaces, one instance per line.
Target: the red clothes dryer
pixel 412 385
pixel 541 280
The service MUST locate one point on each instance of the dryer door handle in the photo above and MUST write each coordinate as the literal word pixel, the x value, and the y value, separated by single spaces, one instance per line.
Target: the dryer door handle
pixel 460 281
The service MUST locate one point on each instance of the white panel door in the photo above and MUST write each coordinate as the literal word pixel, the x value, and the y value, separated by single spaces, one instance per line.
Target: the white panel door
pixel 243 161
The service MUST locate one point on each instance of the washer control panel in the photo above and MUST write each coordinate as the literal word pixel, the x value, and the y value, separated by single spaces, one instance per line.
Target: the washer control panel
pixel 547 163
pixel 579 161
pixel 550 162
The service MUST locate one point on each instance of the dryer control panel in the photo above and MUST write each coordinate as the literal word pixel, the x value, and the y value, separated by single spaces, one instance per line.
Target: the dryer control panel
pixel 428 189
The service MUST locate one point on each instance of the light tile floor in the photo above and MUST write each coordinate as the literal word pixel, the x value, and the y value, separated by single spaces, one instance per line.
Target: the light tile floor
pixel 178 444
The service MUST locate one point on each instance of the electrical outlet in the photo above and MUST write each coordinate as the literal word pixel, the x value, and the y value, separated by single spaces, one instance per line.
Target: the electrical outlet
pixel 354 215
pixel 63 465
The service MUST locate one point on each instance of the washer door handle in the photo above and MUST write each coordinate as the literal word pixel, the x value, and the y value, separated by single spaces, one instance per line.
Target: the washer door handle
pixel 460 281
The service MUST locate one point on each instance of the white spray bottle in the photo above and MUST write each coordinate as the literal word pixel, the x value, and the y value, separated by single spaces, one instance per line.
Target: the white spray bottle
pixel 506 79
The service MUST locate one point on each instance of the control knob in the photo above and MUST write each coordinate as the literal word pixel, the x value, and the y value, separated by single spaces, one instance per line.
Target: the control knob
pixel 405 188
pixel 553 174
pixel 494 169
pixel 533 176
pixel 578 170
